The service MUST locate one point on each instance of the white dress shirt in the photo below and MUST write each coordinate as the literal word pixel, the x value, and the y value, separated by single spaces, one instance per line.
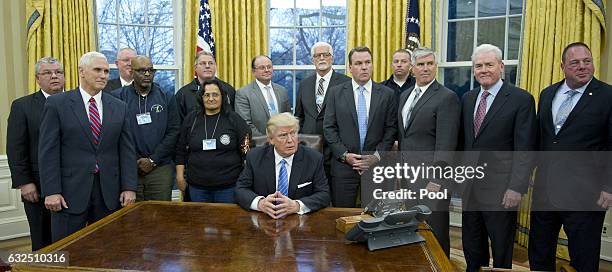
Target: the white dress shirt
pixel 492 94
pixel 406 107
pixel 560 96
pixel 125 82
pixel 97 97
pixel 327 78
pixel 277 167
pixel 265 93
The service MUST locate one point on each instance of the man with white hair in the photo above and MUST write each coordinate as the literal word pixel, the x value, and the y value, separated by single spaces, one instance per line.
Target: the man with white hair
pixel 499 122
pixel 284 177
pixel 124 65
pixel 86 154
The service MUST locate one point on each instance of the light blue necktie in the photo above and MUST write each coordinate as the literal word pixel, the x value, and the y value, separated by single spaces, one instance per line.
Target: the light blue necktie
pixel 283 182
pixel 564 110
pixel 362 116
pixel 270 97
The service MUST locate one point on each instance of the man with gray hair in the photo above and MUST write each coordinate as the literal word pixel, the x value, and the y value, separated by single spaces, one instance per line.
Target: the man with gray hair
pixel 284 177
pixel 124 65
pixel 86 154
pixel 22 147
pixel 499 122
pixel 428 124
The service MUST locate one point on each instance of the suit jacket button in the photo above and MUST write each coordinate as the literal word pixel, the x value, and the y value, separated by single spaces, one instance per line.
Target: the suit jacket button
pixel 555 142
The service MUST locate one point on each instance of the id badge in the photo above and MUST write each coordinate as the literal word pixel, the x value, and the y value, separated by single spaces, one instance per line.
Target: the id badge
pixel 320 99
pixel 209 144
pixel 143 118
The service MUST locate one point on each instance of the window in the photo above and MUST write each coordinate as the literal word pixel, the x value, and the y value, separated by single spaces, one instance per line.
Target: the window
pixel 147 26
pixel 469 23
pixel 294 27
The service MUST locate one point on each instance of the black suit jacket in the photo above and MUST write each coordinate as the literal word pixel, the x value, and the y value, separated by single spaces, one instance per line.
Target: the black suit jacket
pixel 573 180
pixel 68 155
pixel 509 126
pixel 307 182
pixel 112 84
pixel 341 127
pixel 311 121
pixel 22 139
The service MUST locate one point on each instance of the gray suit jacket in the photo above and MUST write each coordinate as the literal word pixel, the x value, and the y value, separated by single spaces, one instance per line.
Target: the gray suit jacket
pixel 68 155
pixel 433 124
pixel 252 107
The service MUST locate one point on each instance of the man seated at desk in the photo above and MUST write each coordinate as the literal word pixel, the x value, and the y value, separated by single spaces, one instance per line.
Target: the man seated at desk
pixel 284 177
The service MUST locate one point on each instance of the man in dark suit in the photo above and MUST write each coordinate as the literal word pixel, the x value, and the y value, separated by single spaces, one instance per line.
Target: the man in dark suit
pixel 86 154
pixel 284 177
pixel 400 80
pixel 498 123
pixel 360 121
pixel 428 123
pixel 262 98
pixel 22 147
pixel 123 62
pixel 573 188
pixel 205 69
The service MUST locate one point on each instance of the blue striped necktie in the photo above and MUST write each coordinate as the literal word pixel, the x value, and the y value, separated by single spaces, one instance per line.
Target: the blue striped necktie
pixel 283 182
pixel 564 110
pixel 362 116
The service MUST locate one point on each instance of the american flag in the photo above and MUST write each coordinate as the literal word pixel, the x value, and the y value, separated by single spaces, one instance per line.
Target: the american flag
pixel 206 41
pixel 413 32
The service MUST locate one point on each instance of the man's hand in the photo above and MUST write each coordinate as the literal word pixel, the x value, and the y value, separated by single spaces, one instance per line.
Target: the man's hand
pixel 605 200
pixel 433 187
pixel 511 199
pixel 267 205
pixel 29 192
pixel 286 206
pixel 144 166
pixel 55 203
pixel 127 198
pixel 352 158
pixel 181 183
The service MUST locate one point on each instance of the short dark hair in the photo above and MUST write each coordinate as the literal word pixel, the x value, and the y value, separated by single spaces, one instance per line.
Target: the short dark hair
pixel 200 93
pixel 255 58
pixel 358 49
pixel 574 44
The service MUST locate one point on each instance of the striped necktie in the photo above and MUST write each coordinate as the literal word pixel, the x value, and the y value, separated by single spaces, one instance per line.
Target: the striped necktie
pixel 320 93
pixel 362 116
pixel 95 124
pixel 283 181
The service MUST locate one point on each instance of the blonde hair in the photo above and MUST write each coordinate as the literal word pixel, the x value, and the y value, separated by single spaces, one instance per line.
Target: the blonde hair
pixel 284 119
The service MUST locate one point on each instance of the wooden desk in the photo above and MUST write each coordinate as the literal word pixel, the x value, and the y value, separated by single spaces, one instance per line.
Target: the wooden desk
pixel 170 236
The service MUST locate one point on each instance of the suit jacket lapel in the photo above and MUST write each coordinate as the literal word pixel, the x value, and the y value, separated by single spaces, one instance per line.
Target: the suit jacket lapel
pixel 431 91
pixel 78 108
pixel 469 121
pixel 279 103
pixel 262 100
pixel 545 112
pixel 589 94
pixel 349 98
pixel 269 165
pixel 498 103
pixel 107 114
pixel 296 172
pixel 374 103
pixel 332 82
pixel 400 116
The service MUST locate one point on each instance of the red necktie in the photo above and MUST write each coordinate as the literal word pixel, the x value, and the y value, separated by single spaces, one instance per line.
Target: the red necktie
pixel 95 124
pixel 480 112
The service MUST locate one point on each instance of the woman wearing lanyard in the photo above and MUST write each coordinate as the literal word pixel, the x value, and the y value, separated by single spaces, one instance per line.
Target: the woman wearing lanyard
pixel 212 145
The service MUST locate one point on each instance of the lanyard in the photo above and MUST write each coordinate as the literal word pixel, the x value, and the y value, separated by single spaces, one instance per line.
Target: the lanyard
pixel 206 127
pixel 145 104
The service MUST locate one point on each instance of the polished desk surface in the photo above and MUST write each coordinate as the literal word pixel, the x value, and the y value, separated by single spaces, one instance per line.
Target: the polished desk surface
pixel 171 236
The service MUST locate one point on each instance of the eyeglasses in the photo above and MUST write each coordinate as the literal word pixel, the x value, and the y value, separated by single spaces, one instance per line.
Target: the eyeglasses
pixel 264 67
pixel 213 95
pixel 48 73
pixel 143 70
pixel 322 55
pixel 285 135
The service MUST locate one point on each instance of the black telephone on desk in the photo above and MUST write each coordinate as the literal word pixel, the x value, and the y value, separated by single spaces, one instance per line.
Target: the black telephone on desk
pixel 395 229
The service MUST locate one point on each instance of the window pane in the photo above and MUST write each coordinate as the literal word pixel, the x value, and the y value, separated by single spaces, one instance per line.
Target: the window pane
pixel 337 38
pixel 308 13
pixel 492 31
pixel 133 37
pixel 457 79
pixel 160 12
pixel 107 39
pixel 460 9
pixel 491 8
pixel 166 80
pixel 341 71
pixel 114 73
pixel 162 45
pixel 306 37
pixel 106 11
pixel 514 36
pixel 460 40
pixel 281 46
pixel 131 12
pixel 510 74
pixel 285 78
pixel 334 12
pixel 516 6
pixel 282 13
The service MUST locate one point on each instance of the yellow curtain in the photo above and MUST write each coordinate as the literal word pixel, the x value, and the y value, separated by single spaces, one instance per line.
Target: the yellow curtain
pixel 240 31
pixel 549 27
pixel 427 19
pixel 63 29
